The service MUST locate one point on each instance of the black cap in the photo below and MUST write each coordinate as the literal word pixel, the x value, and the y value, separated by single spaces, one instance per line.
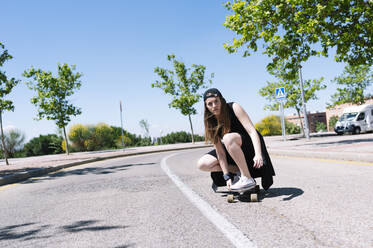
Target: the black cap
pixel 213 92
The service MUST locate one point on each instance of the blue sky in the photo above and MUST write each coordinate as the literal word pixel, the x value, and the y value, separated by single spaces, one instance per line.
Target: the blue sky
pixel 117 45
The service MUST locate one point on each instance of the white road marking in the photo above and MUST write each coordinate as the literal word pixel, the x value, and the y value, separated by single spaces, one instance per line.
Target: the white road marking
pixel 237 238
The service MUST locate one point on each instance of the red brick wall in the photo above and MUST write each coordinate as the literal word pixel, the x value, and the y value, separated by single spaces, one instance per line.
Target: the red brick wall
pixel 312 119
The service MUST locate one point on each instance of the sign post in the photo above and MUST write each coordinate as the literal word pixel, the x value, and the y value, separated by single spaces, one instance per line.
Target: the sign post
pixel 281 95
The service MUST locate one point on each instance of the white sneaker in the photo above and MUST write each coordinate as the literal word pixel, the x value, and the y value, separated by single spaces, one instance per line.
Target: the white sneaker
pixel 244 183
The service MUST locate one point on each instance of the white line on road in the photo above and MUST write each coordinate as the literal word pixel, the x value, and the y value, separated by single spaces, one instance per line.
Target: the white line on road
pixel 227 228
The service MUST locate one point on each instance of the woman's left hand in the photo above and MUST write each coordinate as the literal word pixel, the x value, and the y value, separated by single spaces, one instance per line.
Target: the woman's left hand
pixel 258 161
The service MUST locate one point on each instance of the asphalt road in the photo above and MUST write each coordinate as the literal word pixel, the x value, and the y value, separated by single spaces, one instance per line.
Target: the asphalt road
pixel 133 202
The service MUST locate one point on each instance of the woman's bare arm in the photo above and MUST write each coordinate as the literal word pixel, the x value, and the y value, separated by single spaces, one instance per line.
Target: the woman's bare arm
pixel 246 122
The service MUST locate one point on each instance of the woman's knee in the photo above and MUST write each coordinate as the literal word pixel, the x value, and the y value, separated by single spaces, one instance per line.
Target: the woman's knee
pixel 206 164
pixel 231 139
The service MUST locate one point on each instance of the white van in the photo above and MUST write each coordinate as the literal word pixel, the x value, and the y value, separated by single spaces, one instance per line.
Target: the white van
pixel 355 119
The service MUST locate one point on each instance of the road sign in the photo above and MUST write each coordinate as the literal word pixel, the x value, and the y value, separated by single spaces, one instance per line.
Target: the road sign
pixel 280 93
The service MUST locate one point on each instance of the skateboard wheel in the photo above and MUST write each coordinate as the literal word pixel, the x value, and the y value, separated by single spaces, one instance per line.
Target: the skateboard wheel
pixel 254 197
pixel 230 198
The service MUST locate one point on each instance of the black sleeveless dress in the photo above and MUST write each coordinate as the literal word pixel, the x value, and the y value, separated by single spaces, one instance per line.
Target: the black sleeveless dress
pixel 266 172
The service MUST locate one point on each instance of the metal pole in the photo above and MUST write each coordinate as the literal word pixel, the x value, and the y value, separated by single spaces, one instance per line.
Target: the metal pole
pixel 306 127
pixel 121 124
pixel 282 120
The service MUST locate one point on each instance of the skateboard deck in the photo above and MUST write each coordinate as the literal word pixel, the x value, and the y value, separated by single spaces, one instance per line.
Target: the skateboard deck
pixel 243 194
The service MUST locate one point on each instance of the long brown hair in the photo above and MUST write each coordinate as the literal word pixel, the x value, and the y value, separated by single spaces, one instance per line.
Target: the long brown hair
pixel 216 128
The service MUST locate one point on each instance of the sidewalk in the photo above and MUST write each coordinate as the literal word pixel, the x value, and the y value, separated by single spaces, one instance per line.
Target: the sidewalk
pixel 358 148
pixel 326 146
pixel 23 168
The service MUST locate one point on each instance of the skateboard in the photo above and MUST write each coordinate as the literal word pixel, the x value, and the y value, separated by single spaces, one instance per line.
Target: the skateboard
pixel 243 194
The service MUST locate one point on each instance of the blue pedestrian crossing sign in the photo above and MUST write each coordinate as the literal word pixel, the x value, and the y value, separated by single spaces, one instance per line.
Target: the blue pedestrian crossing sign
pixel 280 93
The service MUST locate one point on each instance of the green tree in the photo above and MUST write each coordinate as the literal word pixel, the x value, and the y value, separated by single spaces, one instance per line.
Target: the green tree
pixel 14 139
pixel 6 86
pixel 353 82
pixel 292 88
pixel 52 94
pixel 144 124
pixel 294 30
pixel 79 135
pixel 270 125
pixel 44 145
pixel 183 84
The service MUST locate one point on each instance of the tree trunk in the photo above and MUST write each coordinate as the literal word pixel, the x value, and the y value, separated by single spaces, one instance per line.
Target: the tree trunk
pixel 67 142
pixel 5 151
pixel 191 127
pixel 301 123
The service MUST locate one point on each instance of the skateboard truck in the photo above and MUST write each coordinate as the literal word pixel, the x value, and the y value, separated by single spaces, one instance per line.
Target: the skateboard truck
pixel 254 192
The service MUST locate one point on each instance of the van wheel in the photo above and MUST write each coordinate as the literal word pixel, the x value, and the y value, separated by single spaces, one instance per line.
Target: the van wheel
pixel 357 130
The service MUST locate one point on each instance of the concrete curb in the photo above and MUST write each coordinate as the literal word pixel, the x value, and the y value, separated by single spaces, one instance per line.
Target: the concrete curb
pixel 22 176
pixel 354 157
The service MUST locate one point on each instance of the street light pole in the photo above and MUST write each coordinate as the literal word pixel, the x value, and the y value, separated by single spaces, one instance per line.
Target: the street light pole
pixel 121 124
pixel 306 126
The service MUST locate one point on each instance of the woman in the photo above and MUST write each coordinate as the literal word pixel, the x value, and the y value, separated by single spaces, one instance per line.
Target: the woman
pixel 238 145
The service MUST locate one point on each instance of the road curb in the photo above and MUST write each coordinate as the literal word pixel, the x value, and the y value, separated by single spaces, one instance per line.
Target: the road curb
pixel 356 157
pixel 22 176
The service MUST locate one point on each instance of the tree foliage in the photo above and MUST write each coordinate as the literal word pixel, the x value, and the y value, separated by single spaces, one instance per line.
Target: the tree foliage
pixel 44 145
pixel 179 137
pixel 6 86
pixel 292 88
pixel 320 126
pixel 183 85
pixel 102 136
pixel 14 139
pixel 294 30
pixel 332 121
pixel 352 85
pixel 144 124
pixel 53 92
pixel 271 125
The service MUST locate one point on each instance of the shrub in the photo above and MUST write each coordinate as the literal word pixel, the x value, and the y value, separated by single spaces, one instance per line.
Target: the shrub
pixel 270 125
pixel 332 121
pixel 291 128
pixel 44 145
pixel 179 137
pixel 320 126
pixel 78 134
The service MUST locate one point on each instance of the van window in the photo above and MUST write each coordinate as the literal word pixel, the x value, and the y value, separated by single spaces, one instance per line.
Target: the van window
pixel 361 117
pixel 348 116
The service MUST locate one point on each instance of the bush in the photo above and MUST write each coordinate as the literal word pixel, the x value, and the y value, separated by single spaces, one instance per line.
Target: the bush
pixel 332 121
pixel 101 137
pixel 78 134
pixel 291 128
pixel 271 125
pixel 179 137
pixel 320 126
pixel 44 145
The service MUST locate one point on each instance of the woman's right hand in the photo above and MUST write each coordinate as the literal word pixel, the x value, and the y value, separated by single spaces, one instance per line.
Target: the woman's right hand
pixel 229 184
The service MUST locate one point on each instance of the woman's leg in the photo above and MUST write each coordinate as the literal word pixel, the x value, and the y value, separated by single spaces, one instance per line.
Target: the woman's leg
pixel 233 142
pixel 210 163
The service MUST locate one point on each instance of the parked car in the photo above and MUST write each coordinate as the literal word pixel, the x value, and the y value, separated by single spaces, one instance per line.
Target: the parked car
pixel 355 119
